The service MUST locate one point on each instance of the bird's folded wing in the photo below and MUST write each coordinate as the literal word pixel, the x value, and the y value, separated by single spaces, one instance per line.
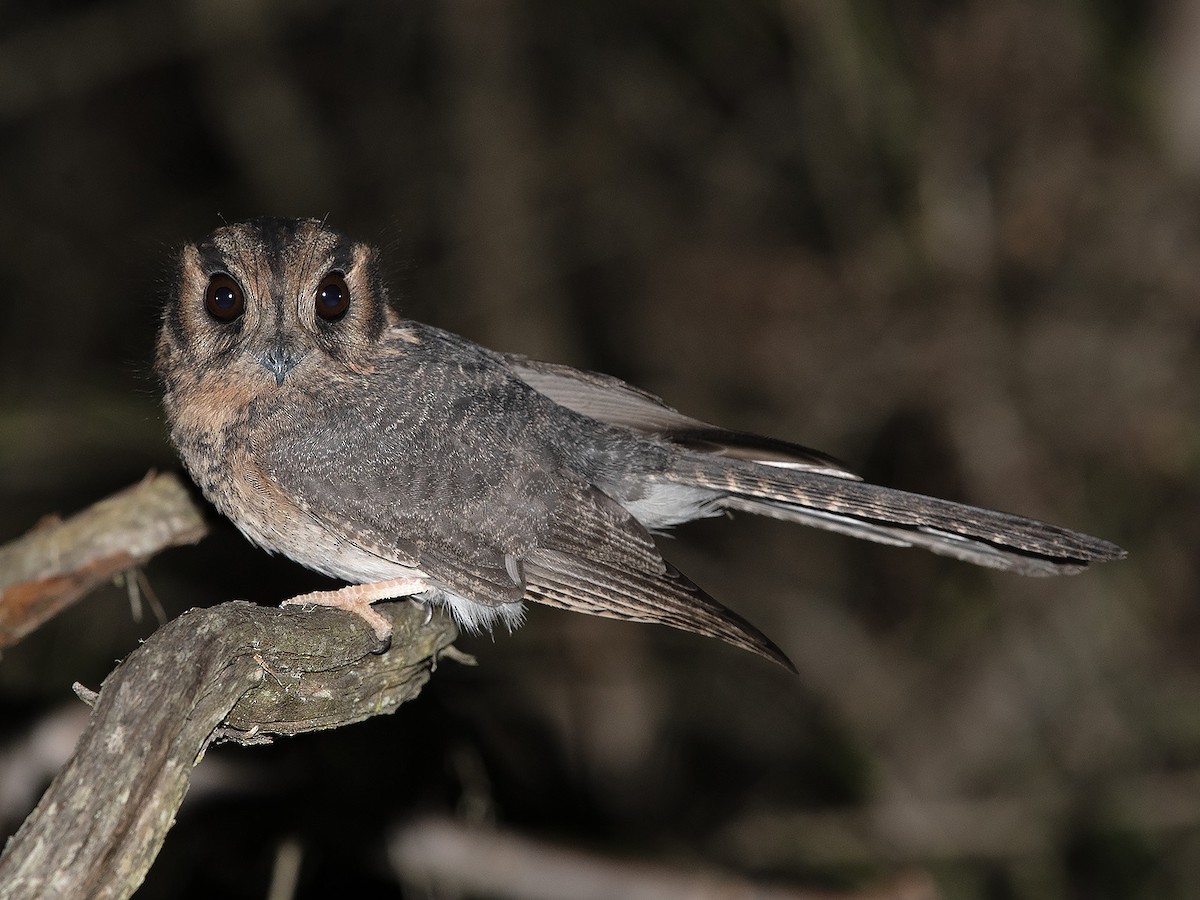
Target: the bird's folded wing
pixel 466 563
pixel 480 555
pixel 586 585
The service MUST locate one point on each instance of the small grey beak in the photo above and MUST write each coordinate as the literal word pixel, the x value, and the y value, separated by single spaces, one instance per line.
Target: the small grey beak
pixel 280 360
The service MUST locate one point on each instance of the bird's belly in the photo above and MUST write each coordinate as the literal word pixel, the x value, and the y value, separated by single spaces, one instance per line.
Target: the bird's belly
pixel 270 519
pixel 273 522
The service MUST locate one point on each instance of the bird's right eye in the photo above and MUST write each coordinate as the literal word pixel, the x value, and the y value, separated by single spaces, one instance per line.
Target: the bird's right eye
pixel 224 298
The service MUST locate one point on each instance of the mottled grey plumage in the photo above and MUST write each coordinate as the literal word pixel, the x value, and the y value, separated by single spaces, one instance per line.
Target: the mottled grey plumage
pixel 378 450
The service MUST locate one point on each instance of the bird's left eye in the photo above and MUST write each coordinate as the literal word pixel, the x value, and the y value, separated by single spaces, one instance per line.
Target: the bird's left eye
pixel 333 297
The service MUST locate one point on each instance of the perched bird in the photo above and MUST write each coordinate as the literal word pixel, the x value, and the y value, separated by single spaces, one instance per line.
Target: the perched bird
pixel 415 463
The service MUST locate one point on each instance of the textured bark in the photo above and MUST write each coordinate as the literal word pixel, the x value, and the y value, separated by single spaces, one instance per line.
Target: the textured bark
pixel 232 672
pixel 59 561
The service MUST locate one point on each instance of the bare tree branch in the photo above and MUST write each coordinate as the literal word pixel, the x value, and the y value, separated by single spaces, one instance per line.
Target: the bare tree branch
pixel 234 672
pixel 50 567
pixel 453 858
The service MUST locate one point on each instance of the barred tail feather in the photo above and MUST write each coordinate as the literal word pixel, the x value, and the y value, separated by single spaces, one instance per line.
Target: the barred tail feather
pixel 889 516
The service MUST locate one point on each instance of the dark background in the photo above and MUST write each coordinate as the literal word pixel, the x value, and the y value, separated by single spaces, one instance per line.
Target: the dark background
pixel 955 244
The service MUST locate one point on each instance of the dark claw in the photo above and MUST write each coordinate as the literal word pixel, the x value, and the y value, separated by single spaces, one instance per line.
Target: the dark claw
pixel 384 645
pixel 424 605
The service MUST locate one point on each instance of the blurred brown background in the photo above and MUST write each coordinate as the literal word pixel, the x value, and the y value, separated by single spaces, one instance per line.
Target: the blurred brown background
pixel 955 244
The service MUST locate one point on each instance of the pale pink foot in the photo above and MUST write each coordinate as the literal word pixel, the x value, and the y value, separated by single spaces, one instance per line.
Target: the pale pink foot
pixel 357 598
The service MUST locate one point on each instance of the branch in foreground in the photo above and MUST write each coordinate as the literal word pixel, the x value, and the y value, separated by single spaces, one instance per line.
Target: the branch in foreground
pixel 54 564
pixel 234 672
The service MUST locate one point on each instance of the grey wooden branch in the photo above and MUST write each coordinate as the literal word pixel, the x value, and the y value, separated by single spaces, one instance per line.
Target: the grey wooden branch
pixel 231 672
pixel 56 563
pixel 445 857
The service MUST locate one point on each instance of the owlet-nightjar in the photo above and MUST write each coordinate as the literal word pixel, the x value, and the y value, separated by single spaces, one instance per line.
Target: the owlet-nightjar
pixel 412 462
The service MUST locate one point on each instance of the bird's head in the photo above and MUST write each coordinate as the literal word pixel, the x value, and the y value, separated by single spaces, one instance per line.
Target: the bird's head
pixel 270 300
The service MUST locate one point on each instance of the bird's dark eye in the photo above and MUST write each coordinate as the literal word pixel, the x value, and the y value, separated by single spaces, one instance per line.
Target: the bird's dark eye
pixel 333 297
pixel 224 298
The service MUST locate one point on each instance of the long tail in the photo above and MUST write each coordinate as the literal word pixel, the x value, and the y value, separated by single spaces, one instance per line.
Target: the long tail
pixel 888 516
